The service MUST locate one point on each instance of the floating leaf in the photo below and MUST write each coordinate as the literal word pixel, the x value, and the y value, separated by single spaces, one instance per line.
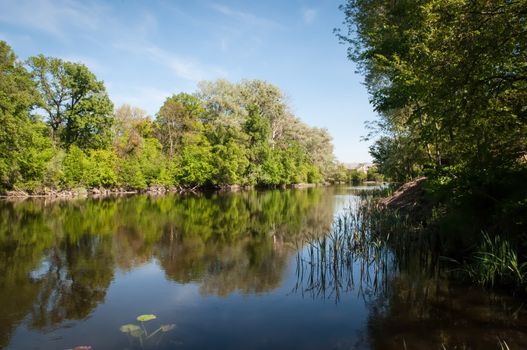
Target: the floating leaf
pixel 167 327
pixel 144 318
pixel 129 328
pixel 137 332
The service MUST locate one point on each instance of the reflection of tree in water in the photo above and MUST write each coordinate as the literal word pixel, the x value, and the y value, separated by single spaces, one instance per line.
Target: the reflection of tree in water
pixel 423 311
pixel 58 258
pixel 80 270
pixel 21 248
pixel 243 241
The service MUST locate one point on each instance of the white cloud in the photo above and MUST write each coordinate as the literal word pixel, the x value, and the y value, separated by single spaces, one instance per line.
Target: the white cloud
pixel 245 17
pixel 183 67
pixel 53 17
pixel 309 15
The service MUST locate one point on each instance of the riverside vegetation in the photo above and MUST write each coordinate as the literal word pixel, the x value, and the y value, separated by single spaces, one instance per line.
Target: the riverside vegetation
pixel 59 130
pixel 448 79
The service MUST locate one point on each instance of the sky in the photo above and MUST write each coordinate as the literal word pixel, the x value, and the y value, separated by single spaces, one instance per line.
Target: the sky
pixel 145 51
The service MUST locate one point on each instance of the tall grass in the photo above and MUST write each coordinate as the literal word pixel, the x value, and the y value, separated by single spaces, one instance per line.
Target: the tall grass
pixel 363 250
pixel 367 246
pixel 496 262
pixel 345 258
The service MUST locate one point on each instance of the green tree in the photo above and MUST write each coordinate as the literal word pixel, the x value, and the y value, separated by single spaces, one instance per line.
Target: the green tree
pixel 180 115
pixel 75 167
pixel 24 150
pixel 194 166
pixel 449 81
pixel 101 169
pixel 77 106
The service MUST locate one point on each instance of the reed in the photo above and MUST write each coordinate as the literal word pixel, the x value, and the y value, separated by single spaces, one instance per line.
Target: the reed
pixel 496 262
pixel 364 248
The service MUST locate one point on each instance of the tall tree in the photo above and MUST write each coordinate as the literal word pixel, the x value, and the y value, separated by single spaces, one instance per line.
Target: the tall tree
pixel 449 73
pixel 23 147
pixel 77 105
pixel 449 81
pixel 180 115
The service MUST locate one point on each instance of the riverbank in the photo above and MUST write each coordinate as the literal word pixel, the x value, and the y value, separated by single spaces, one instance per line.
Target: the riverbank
pixel 412 218
pixel 153 190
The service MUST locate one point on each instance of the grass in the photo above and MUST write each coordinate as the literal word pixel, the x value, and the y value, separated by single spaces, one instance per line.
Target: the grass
pixel 364 248
pixel 496 262
pixel 366 245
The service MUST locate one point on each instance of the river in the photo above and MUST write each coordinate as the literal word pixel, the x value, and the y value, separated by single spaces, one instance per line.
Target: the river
pixel 225 271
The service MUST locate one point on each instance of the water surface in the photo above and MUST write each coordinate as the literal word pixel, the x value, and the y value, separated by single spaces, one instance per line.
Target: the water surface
pixel 230 271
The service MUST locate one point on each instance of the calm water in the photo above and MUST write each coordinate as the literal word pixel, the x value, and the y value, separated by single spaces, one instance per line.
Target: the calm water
pixel 230 271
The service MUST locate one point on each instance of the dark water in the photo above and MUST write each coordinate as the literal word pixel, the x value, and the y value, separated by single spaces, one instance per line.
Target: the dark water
pixel 225 270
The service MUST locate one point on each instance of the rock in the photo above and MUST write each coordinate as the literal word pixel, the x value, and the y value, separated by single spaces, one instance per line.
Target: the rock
pixel 409 197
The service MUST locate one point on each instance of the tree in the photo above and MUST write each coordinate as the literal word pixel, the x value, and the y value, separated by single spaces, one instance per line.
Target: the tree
pixel 23 147
pixel 194 164
pixel 449 81
pixel 451 74
pixel 180 114
pixel 78 108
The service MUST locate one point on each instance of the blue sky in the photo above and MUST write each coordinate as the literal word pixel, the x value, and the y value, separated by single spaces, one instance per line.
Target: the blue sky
pixel 147 50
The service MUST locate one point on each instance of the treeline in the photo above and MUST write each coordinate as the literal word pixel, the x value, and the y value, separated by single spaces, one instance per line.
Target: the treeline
pixel 448 79
pixel 59 130
pixel 342 174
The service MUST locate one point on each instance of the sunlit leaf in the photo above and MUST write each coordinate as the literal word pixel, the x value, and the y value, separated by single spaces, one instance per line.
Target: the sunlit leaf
pixel 147 317
pixel 129 328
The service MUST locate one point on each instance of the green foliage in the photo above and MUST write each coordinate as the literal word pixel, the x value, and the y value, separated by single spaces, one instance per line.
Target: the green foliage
pixel 449 80
pixel 357 177
pixel 75 167
pixel 224 134
pixel 230 161
pixel 130 174
pixel 152 161
pixel 24 150
pixel 194 165
pixel 100 169
pixel 179 116
pixel 78 108
pixel 398 158
pixel 496 262
pixel 146 317
pixel 374 175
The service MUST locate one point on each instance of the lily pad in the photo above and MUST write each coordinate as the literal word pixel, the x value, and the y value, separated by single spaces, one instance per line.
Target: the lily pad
pixel 137 333
pixel 147 317
pixel 129 328
pixel 167 327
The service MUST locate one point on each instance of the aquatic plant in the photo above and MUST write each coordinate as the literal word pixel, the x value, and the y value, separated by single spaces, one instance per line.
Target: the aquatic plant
pixel 349 255
pixel 364 248
pixel 141 333
pixel 496 262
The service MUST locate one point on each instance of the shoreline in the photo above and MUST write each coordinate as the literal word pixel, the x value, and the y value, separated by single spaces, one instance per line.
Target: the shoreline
pixel 154 190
